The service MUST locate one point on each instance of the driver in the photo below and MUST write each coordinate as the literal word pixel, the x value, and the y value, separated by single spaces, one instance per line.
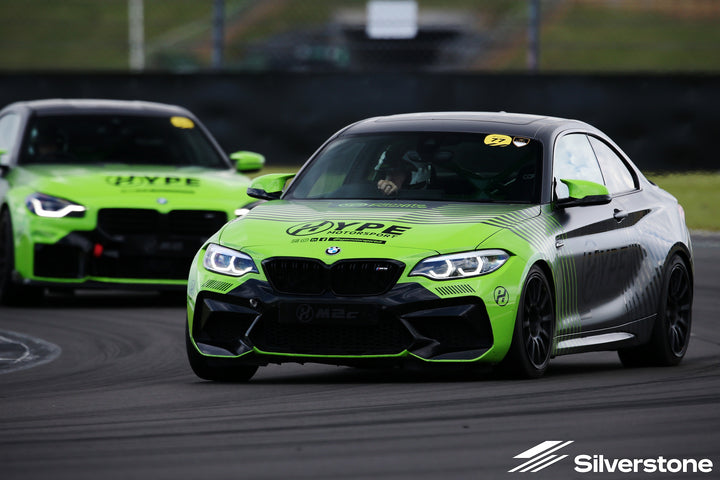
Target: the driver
pixel 48 141
pixel 403 170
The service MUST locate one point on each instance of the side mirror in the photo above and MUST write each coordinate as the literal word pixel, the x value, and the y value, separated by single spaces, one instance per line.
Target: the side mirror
pixel 583 192
pixel 269 187
pixel 248 162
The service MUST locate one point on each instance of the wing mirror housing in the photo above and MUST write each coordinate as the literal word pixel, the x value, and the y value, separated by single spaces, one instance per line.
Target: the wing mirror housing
pixel 583 193
pixel 269 187
pixel 248 162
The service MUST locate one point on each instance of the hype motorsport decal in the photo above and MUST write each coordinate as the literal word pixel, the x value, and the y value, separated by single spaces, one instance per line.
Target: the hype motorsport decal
pixel 327 231
pixel 148 183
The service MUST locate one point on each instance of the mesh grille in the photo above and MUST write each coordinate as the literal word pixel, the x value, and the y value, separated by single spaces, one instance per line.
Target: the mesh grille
pixel 139 221
pixel 386 337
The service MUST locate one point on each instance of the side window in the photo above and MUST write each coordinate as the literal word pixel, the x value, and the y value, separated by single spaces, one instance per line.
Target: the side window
pixel 616 173
pixel 574 160
pixel 9 125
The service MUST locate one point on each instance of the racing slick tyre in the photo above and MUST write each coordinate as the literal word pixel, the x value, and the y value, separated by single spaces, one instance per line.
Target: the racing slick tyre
pixel 218 373
pixel 10 293
pixel 534 333
pixel 671 332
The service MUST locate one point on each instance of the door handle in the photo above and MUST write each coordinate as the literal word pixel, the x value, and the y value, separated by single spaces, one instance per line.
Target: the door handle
pixel 620 215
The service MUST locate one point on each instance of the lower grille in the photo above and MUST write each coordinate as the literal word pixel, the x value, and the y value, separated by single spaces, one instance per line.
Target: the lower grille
pixel 140 221
pixel 386 337
pixel 58 261
pixel 454 327
pixel 131 243
pixel 300 276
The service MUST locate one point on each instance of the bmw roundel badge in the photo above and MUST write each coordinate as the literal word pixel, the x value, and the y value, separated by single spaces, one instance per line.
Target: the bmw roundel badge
pixel 162 201
pixel 332 250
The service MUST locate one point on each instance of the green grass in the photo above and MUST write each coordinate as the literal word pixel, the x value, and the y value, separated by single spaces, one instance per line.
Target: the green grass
pixel 578 36
pixel 90 34
pixel 631 41
pixel 609 38
pixel 699 195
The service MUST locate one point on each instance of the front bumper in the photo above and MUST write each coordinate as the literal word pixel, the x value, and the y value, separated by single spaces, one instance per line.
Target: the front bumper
pixel 120 247
pixel 254 324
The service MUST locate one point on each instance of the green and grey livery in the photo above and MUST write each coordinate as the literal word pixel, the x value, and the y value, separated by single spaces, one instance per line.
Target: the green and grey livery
pixel 109 194
pixel 447 238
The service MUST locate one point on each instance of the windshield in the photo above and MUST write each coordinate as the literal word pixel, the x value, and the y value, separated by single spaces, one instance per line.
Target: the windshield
pixel 134 140
pixel 425 166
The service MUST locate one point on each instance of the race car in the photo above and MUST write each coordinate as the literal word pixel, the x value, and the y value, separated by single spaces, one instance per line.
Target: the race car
pixel 106 193
pixel 460 239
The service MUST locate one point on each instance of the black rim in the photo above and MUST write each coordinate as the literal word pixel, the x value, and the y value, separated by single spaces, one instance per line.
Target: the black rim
pixel 677 309
pixel 537 321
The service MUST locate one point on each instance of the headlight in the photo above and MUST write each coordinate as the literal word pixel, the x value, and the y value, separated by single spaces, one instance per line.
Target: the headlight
pixel 48 206
pixel 461 265
pixel 228 261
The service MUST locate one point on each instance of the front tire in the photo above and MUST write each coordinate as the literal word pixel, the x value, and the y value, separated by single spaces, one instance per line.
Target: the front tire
pixel 671 332
pixel 533 337
pixel 227 370
pixel 10 293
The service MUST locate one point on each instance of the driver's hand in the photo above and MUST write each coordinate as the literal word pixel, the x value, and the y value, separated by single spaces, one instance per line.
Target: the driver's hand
pixel 387 187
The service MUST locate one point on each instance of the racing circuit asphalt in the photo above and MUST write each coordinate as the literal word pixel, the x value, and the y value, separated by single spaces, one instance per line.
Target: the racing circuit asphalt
pixel 120 402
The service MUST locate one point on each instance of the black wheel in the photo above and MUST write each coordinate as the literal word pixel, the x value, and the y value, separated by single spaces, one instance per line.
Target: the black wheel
pixel 10 293
pixel 221 370
pixel 671 333
pixel 532 341
pixel 6 255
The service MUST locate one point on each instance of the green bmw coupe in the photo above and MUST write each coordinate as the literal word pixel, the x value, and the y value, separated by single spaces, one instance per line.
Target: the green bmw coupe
pixel 100 193
pixel 447 238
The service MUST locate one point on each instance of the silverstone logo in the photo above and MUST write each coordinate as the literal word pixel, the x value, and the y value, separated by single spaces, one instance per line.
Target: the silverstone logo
pixel 540 456
pixel 544 454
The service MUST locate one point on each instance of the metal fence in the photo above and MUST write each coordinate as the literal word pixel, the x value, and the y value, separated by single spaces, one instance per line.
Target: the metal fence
pixel 338 35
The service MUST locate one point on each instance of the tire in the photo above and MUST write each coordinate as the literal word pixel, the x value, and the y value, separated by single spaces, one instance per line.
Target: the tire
pixel 671 332
pixel 227 370
pixel 10 293
pixel 6 256
pixel 534 333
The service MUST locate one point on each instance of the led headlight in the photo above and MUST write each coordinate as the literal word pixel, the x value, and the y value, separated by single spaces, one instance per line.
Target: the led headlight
pixel 48 206
pixel 461 265
pixel 228 261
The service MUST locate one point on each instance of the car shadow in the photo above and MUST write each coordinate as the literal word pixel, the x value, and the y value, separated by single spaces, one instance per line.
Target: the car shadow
pixel 478 373
pixel 115 299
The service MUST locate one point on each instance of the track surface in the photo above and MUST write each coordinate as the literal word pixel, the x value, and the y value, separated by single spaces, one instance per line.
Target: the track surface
pixel 120 402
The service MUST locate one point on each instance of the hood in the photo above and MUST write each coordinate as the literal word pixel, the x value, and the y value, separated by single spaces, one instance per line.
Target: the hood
pixel 299 228
pixel 168 188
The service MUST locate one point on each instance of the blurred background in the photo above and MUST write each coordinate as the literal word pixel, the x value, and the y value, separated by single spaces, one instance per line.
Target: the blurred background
pixel 280 76
pixel 345 35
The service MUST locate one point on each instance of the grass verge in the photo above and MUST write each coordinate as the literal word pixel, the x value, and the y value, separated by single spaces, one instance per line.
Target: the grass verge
pixel 699 195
